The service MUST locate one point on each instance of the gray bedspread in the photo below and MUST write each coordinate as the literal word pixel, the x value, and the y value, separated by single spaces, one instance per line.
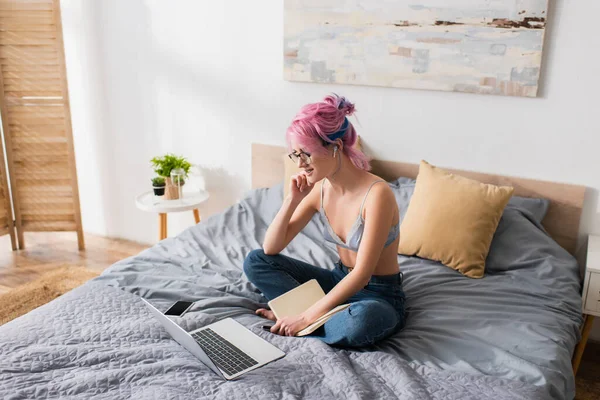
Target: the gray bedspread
pixel 507 336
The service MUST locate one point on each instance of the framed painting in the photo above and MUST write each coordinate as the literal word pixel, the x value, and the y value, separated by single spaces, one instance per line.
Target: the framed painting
pixel 474 46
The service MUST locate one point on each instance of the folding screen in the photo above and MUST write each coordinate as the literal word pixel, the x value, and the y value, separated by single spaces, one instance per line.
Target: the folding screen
pixel 36 122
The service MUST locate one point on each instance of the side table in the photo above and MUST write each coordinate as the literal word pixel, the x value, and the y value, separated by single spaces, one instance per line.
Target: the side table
pixel 590 296
pixel 149 202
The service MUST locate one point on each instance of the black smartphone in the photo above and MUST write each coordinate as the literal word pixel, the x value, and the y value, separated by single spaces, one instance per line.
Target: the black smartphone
pixel 179 308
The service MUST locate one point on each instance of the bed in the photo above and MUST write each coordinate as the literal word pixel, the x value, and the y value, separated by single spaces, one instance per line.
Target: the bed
pixel 509 335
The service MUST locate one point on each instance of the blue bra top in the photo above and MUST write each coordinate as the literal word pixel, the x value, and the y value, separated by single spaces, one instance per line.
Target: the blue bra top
pixel 355 235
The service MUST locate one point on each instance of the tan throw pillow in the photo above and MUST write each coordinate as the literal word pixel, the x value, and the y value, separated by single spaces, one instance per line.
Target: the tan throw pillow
pixel 452 219
pixel 291 168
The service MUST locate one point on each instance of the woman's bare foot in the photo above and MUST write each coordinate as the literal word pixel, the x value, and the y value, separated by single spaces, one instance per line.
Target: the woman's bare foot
pixel 263 312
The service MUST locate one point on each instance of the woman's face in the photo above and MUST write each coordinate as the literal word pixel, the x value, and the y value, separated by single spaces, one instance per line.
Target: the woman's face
pixel 316 166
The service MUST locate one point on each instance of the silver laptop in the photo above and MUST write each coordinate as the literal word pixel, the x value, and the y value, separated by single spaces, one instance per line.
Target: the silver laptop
pixel 226 346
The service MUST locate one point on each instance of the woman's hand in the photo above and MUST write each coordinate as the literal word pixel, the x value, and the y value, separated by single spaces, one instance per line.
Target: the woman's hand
pixel 289 326
pixel 299 186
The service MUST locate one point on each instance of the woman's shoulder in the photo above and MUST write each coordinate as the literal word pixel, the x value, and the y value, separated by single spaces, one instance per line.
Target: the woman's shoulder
pixel 379 188
pixel 380 194
pixel 375 182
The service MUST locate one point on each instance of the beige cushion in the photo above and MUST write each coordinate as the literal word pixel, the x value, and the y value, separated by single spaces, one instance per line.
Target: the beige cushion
pixel 291 168
pixel 452 219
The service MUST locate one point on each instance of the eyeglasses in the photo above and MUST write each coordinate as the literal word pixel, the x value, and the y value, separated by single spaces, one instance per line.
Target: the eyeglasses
pixel 305 157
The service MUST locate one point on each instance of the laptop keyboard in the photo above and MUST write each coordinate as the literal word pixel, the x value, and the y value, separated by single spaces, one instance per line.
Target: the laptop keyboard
pixel 225 355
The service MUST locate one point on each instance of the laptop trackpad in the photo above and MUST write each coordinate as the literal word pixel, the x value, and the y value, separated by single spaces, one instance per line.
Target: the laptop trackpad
pixel 247 341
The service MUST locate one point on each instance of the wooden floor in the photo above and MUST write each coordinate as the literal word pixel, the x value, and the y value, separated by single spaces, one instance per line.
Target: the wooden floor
pixel 588 376
pixel 48 251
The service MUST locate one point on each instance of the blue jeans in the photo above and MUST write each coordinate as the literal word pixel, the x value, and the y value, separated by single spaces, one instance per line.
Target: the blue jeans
pixel 375 312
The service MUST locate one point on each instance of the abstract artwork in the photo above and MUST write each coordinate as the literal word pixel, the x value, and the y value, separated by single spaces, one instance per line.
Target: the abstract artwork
pixel 474 46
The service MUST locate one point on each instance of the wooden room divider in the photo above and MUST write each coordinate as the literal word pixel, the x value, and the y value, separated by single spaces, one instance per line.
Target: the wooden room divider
pixel 39 181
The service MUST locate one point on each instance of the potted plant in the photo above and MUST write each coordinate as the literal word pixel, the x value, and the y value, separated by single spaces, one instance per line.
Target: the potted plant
pixel 163 167
pixel 158 184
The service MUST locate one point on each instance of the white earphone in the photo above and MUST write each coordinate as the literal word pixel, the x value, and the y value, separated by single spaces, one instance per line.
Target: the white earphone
pixel 335 151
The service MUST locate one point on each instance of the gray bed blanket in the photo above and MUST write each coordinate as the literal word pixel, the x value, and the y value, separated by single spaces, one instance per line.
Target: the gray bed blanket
pixel 506 336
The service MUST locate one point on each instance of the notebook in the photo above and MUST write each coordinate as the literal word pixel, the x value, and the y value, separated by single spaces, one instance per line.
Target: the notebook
pixel 298 300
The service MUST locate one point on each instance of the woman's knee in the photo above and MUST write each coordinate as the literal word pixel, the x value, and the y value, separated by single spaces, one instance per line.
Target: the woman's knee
pixel 257 261
pixel 370 321
pixel 252 260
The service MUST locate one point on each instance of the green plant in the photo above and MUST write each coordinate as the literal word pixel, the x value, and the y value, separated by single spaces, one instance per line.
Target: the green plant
pixel 178 180
pixel 165 164
pixel 159 181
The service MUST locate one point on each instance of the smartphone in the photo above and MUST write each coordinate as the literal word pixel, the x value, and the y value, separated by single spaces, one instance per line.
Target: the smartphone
pixel 179 308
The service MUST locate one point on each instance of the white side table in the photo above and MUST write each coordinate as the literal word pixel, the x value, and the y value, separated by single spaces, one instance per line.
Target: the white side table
pixel 191 200
pixel 590 296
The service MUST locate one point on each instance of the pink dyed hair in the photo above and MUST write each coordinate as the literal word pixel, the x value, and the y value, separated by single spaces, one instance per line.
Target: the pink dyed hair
pixel 314 121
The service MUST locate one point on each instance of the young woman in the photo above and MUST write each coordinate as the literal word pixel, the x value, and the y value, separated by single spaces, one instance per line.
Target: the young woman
pixel 361 218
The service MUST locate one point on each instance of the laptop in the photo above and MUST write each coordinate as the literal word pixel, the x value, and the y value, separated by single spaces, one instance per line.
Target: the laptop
pixel 228 348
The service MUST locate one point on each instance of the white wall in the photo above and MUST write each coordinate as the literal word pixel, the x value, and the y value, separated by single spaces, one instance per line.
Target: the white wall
pixel 204 79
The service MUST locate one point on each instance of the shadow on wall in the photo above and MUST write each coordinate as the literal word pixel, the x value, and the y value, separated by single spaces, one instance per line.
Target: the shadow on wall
pixel 127 120
pixel 366 149
pixel 552 26
pixel 225 188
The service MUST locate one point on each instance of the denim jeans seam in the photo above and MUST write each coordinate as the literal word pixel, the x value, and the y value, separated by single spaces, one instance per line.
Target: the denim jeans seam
pixel 285 274
pixel 289 277
pixel 268 261
pixel 376 338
